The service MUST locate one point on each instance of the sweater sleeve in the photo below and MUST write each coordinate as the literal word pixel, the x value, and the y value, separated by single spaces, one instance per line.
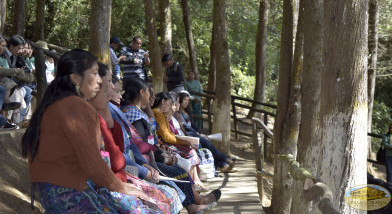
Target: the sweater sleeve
pixel 164 131
pixel 82 127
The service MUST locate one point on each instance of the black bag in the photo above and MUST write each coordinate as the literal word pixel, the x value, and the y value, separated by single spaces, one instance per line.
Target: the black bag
pixel 381 154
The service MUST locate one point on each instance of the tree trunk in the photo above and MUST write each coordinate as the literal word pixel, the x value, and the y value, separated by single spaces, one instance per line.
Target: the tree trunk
pixel 286 57
pixel 309 137
pixel 19 17
pixel 99 34
pixel 261 46
pixel 40 74
pixel 165 27
pixel 222 103
pixel 372 46
pixel 155 53
pixel 212 67
pixel 189 37
pixel 40 21
pixel 3 13
pixel 343 104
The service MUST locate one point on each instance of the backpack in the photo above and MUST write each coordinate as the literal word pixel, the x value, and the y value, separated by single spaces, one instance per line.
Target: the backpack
pixel 206 165
pixel 381 154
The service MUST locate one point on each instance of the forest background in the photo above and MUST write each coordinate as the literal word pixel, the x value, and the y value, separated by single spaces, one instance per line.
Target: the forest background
pixel 67 25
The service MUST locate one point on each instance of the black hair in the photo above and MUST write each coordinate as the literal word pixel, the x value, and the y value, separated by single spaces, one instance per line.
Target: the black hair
pixel 132 90
pixel 102 69
pixel 136 38
pixel 389 132
pixel 2 39
pixel 17 40
pixel 150 88
pixel 115 79
pixel 76 61
pixel 182 95
pixel 159 97
pixel 167 57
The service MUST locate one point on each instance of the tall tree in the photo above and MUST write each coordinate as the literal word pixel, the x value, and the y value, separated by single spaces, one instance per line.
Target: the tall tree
pixel 343 104
pixel 3 12
pixel 372 61
pixel 261 51
pixel 40 20
pixel 221 108
pixel 100 30
pixel 19 17
pixel 189 37
pixel 285 66
pixel 156 63
pixel 212 66
pixel 309 137
pixel 165 27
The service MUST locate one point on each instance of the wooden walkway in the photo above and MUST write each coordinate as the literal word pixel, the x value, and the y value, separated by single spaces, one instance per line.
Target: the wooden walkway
pixel 239 190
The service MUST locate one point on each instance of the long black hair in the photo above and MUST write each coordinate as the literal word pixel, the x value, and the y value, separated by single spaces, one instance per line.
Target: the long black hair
pixel 132 90
pixel 159 97
pixel 182 95
pixel 76 61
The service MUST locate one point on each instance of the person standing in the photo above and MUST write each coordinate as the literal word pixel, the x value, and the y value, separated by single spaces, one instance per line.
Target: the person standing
pixel 135 61
pixel 192 84
pixel 115 43
pixel 174 74
pixel 387 143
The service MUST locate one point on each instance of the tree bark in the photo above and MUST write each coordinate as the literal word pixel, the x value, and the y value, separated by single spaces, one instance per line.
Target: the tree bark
pixel 222 103
pixel 19 17
pixel 212 67
pixel 3 13
pixel 372 46
pixel 155 53
pixel 189 38
pixel 165 27
pixel 285 66
pixel 40 74
pixel 343 104
pixel 99 34
pixel 40 21
pixel 309 137
pixel 261 50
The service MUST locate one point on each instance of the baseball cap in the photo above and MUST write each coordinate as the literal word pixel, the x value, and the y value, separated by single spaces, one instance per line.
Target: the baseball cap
pixel 115 39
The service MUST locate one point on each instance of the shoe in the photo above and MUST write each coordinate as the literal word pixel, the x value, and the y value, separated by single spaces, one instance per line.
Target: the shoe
pixel 217 193
pixel 228 169
pixel 11 106
pixel 199 188
pixel 9 126
pixel 207 209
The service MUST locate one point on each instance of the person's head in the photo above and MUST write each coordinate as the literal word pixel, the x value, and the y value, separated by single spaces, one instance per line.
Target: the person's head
pixel 16 45
pixel 115 42
pixel 136 91
pixel 152 94
pixel 167 60
pixel 77 74
pixel 100 102
pixel 175 100
pixel 136 43
pixel 184 100
pixel 163 101
pixel 116 96
pixel 191 75
pixel 390 129
pixel 3 45
pixel 28 50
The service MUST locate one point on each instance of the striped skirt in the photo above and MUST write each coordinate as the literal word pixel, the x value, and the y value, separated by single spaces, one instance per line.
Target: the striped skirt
pixel 58 199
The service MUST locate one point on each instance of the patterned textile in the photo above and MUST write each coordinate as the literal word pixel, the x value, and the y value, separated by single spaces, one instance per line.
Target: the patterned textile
pixel 133 113
pixel 178 173
pixel 185 152
pixel 173 196
pixel 58 199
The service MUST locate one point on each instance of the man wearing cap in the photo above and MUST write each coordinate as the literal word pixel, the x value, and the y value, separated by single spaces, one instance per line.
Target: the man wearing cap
pixel 136 59
pixel 115 43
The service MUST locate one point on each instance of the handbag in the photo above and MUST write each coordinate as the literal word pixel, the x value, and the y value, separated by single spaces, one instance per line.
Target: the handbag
pixel 381 154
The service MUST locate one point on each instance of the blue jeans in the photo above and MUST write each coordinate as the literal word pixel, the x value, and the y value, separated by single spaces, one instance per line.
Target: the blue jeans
pixel 3 121
pixel 219 157
pixel 388 167
pixel 27 98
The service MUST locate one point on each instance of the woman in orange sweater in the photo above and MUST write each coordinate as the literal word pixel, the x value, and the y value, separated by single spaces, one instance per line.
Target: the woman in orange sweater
pixel 62 144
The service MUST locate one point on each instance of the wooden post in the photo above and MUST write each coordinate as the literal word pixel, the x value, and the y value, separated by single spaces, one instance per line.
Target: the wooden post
pixel 209 115
pixel 265 136
pixel 234 117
